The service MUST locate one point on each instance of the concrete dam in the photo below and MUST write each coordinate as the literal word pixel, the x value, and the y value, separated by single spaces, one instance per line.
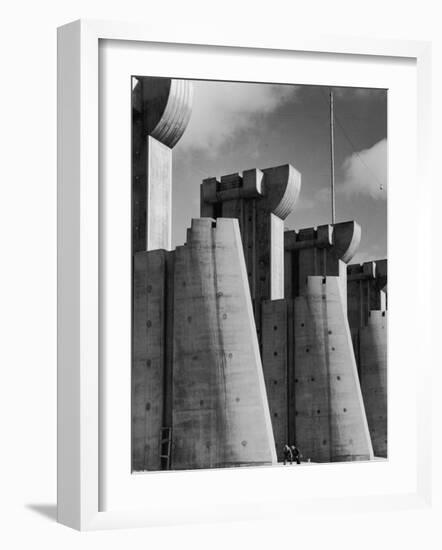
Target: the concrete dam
pixel 248 336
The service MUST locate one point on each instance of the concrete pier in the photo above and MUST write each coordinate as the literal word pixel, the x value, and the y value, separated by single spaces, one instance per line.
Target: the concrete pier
pixel 260 200
pixel 330 420
pixel 220 410
pixel 161 109
pixel 367 314
pixel 326 415
pixel 373 375
pixel 366 292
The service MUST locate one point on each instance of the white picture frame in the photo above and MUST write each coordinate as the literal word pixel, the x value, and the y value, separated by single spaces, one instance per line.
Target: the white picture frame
pixel 79 390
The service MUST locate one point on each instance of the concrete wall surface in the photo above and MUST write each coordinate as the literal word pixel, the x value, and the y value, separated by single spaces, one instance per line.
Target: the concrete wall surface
pixel 330 420
pixel 367 315
pixel 373 375
pixel 149 324
pixel 274 359
pixel 220 410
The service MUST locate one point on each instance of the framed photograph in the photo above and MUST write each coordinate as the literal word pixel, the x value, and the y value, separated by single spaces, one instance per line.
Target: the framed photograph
pixel 233 246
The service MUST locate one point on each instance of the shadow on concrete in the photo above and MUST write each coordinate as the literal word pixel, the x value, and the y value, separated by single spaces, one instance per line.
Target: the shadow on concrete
pixel 48 511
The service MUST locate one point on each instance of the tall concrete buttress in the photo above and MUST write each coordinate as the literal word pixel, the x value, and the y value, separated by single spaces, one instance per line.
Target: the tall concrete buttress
pixel 161 109
pixel 366 291
pixel 261 200
pixel 367 314
pixel 326 415
pixel 220 411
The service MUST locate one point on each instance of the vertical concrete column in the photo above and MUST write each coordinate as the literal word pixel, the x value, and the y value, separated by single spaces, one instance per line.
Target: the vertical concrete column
pixel 323 250
pixel 260 200
pixel 326 414
pixel 366 286
pixel 366 289
pixel 220 411
pixel 161 109
pixel 373 376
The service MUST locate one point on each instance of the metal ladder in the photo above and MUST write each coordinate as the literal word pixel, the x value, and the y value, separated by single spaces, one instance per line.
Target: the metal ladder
pixel 165 447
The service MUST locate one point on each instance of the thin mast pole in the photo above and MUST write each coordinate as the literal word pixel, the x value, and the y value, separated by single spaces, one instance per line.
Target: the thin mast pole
pixel 332 157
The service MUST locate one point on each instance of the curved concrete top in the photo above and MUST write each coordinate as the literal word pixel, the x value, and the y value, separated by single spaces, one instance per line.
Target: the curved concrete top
pixel 281 186
pixel 343 237
pixel 346 239
pixel 167 106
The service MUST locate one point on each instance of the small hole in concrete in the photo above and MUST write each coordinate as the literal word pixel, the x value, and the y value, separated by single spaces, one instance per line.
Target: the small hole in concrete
pixel 345 410
pixel 275 328
pixel 318 411
pixel 296 380
pixel 224 315
pixel 383 314
pixel 302 324
pixel 275 382
pixel 149 323
pixel 333 348
pixel 324 442
pixel 312 378
pixel 147 406
pixel 237 400
pixel 244 443
pixel 276 415
pixel 329 331
pixel 275 353
pixel 149 288
pixel 307 349
pixel 230 356
pixel 338 377
pixel 148 363
pixel 189 319
pixel 202 402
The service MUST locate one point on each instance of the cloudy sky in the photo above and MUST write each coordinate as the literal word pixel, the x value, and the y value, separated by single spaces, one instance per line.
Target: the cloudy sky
pixel 236 126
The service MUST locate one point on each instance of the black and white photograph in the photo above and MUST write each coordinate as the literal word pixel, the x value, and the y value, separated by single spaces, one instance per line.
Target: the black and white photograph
pixel 220 275
pixel 259 274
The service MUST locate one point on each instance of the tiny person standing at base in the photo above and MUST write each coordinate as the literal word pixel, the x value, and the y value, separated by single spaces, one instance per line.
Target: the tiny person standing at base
pixel 288 455
pixel 296 454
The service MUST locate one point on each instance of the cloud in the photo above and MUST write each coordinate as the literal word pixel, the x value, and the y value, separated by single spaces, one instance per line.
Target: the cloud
pixel 223 109
pixel 365 172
